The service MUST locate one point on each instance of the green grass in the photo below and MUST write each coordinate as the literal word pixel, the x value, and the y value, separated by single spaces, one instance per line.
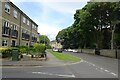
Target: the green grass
pixel 64 56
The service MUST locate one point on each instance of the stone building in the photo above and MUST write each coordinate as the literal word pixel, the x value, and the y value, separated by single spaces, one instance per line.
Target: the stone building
pixel 16 28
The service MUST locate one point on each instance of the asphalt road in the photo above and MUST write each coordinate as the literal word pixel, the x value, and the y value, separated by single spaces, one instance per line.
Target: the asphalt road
pixel 91 66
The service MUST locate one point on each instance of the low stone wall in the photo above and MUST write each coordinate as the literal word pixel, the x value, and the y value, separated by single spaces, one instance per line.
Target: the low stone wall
pixel 103 52
pixel 108 53
pixel 90 51
pixel 118 54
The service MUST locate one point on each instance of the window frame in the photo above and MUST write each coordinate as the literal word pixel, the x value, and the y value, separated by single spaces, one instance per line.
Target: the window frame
pixel 4 42
pixel 7 8
pixel 15 14
pixel 6 24
pixel 14 27
pixel 24 20
pixel 28 22
pixel 33 26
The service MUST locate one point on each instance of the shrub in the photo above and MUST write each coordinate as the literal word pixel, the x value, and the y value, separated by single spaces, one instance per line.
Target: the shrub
pixel 48 47
pixel 39 48
pixel 6 52
pixel 23 49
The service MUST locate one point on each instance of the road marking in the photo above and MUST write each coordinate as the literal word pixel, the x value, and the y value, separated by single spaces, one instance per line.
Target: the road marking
pixel 100 69
pixel 113 74
pixel 45 73
pixel 107 71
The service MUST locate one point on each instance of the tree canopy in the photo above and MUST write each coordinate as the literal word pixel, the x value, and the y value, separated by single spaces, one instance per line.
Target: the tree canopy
pixel 97 24
pixel 44 39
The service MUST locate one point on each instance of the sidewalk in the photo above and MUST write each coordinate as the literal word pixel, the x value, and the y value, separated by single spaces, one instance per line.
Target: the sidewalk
pixel 51 61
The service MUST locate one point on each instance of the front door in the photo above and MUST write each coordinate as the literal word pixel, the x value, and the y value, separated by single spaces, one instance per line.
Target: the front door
pixel 13 43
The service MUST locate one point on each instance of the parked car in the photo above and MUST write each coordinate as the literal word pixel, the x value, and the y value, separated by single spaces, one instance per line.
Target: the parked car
pixel 70 50
pixel 60 50
pixel 55 49
pixel 75 51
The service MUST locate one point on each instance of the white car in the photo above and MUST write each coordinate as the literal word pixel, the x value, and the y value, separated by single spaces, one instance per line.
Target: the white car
pixel 70 50
pixel 75 51
pixel 55 49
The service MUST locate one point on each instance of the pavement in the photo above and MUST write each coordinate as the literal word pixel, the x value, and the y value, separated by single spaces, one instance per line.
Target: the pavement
pixel 51 61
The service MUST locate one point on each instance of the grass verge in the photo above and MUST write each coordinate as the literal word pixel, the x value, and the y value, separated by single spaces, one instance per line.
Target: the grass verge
pixel 64 56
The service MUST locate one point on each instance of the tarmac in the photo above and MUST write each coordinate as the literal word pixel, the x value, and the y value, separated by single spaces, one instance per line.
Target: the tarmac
pixel 51 61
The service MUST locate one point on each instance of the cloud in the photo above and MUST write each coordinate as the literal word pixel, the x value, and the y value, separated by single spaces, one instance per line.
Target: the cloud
pixel 50 30
pixel 49 1
pixel 54 15
pixel 64 7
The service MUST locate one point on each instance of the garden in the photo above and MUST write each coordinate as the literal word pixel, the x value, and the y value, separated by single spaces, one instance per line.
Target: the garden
pixel 37 50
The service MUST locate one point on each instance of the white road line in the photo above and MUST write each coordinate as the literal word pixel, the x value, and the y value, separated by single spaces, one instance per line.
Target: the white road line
pixel 107 71
pixel 45 73
pixel 100 69
pixel 113 74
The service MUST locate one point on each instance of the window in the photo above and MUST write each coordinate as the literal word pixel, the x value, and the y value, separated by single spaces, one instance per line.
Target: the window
pixel 25 31
pixel 5 28
pixel 15 13
pixel 36 28
pixel 7 8
pixel 27 22
pixel 24 20
pixel 33 25
pixel 13 43
pixel 14 27
pixel 6 24
pixel 32 35
pixel 26 44
pixel 4 43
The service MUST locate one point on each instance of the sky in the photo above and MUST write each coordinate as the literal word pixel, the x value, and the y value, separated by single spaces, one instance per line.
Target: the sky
pixel 50 15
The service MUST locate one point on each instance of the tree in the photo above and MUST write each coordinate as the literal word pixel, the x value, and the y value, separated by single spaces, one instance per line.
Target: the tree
pixel 95 24
pixel 44 39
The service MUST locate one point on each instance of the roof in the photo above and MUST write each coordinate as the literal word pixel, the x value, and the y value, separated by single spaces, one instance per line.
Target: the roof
pixel 21 12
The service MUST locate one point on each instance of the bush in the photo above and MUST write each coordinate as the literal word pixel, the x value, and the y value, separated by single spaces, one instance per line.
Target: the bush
pixel 48 47
pixel 6 52
pixel 23 49
pixel 39 48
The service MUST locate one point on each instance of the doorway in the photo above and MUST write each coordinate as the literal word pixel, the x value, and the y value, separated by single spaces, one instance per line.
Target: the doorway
pixel 13 43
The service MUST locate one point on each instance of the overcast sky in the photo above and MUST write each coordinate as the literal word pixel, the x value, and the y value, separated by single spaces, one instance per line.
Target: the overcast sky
pixel 51 16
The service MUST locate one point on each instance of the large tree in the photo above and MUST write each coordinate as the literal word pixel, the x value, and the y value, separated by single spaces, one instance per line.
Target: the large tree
pixel 44 39
pixel 95 24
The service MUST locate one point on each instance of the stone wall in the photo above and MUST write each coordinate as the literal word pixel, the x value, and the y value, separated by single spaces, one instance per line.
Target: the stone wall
pixel 90 51
pixel 103 52
pixel 108 53
pixel 118 54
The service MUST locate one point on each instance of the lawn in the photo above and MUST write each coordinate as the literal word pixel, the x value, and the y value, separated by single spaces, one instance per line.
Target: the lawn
pixel 64 56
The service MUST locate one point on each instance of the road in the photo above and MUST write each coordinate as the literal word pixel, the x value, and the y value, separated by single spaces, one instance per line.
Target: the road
pixel 91 66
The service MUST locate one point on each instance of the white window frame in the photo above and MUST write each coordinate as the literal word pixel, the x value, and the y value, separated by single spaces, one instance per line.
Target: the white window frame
pixel 14 27
pixel 24 20
pixel 6 24
pixel 33 35
pixel 5 42
pixel 28 22
pixel 7 8
pixel 15 14
pixel 33 26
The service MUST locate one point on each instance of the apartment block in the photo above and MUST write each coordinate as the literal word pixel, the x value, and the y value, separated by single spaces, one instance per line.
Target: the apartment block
pixel 16 28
